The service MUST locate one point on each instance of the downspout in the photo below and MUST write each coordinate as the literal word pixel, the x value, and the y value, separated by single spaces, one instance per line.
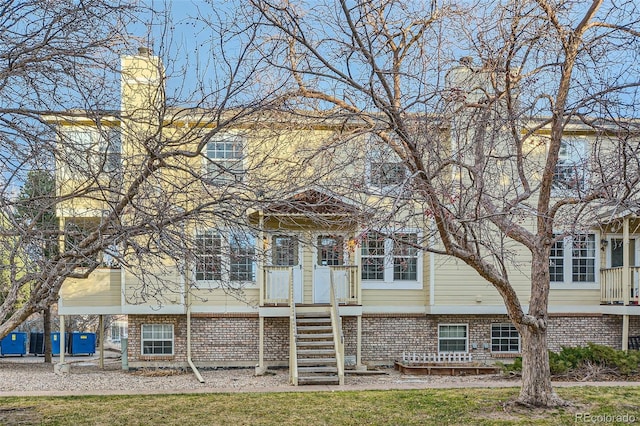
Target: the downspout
pixel 191 364
pixel 187 287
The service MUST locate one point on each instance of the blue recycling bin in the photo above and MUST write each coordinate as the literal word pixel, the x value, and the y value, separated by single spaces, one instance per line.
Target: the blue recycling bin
pixel 14 343
pixel 82 343
pixel 55 342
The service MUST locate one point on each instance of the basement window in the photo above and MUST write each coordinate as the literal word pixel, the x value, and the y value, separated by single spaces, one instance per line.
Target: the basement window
pixel 157 339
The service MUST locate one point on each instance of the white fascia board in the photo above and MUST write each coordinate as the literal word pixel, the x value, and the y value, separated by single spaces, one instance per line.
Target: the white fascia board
pixel 90 310
pixel 153 310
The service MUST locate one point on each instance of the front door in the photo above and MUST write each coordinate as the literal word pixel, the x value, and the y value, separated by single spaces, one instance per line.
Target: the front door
pixel 617 250
pixel 329 251
pixel 286 252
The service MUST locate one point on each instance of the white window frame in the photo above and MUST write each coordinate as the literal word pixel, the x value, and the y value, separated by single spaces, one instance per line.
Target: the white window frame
pixel 225 259
pixel 388 282
pixel 118 330
pixel 568 258
pixel 501 338
pixel 157 339
pixel 98 148
pixel 466 338
pixel 235 164
pixel 573 159
pixel 379 156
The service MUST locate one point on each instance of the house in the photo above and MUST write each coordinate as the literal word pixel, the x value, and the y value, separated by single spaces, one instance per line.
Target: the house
pixel 303 261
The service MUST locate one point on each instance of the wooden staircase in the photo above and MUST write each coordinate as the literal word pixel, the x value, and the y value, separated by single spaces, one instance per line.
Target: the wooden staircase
pixel 316 350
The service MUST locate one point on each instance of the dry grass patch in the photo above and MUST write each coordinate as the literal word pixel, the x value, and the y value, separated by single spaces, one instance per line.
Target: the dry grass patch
pixel 411 407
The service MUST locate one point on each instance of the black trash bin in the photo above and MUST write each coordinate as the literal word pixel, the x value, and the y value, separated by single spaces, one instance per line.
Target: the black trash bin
pixel 36 343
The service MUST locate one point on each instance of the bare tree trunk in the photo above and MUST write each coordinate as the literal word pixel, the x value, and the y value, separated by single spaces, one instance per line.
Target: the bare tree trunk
pixel 46 318
pixel 536 381
pixel 536 376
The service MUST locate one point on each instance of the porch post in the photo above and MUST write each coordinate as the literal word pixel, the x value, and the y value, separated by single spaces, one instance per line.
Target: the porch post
pixel 626 281
pixel 260 368
pixel 63 341
pixel 359 344
pixel 101 337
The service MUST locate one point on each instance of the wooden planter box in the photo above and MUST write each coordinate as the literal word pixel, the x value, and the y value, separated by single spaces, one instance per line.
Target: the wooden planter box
pixel 444 369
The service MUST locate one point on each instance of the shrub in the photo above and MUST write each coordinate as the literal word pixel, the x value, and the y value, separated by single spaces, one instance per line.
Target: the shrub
pixel 573 358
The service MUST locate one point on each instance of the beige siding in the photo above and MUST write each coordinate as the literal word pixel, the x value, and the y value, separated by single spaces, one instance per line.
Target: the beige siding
pixel 456 283
pixel 395 299
pixel 155 287
pixel 102 288
pixel 574 297
pixel 204 299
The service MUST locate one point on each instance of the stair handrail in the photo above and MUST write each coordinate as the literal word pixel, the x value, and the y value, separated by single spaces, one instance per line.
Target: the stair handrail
pixel 293 336
pixel 338 335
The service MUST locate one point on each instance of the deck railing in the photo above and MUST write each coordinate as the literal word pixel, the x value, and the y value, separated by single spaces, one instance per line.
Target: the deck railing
pixel 611 287
pixel 277 285
pixel 277 280
pixel 346 284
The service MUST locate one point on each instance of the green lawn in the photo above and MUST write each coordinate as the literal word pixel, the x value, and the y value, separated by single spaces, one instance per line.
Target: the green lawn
pixel 414 407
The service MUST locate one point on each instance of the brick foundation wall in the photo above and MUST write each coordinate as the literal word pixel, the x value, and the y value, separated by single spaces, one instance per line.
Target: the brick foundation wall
pixel 578 330
pixel 233 340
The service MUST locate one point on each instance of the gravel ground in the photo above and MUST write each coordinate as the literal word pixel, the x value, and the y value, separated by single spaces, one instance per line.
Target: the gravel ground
pixel 30 376
pixel 26 376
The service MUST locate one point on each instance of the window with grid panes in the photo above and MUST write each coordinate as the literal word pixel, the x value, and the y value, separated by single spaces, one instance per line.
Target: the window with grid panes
pixel 571 170
pixel 330 250
pixel 284 250
pixel 452 338
pixel 208 256
pixel 405 257
pixel 583 263
pixel 385 174
pixel 242 257
pixel 225 156
pixel 556 262
pixel 504 338
pixel 573 260
pixel 372 256
pixel 157 339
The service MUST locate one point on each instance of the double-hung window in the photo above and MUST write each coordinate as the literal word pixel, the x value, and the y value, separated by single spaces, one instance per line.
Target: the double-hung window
pixel 89 151
pixel 384 170
pixel 208 256
pixel 571 172
pixel 225 257
pixel 573 260
pixel 453 338
pixel 391 261
pixel 225 159
pixel 157 339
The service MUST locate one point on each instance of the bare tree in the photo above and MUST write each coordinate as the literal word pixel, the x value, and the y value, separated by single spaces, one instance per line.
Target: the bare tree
pixel 483 167
pixel 130 181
